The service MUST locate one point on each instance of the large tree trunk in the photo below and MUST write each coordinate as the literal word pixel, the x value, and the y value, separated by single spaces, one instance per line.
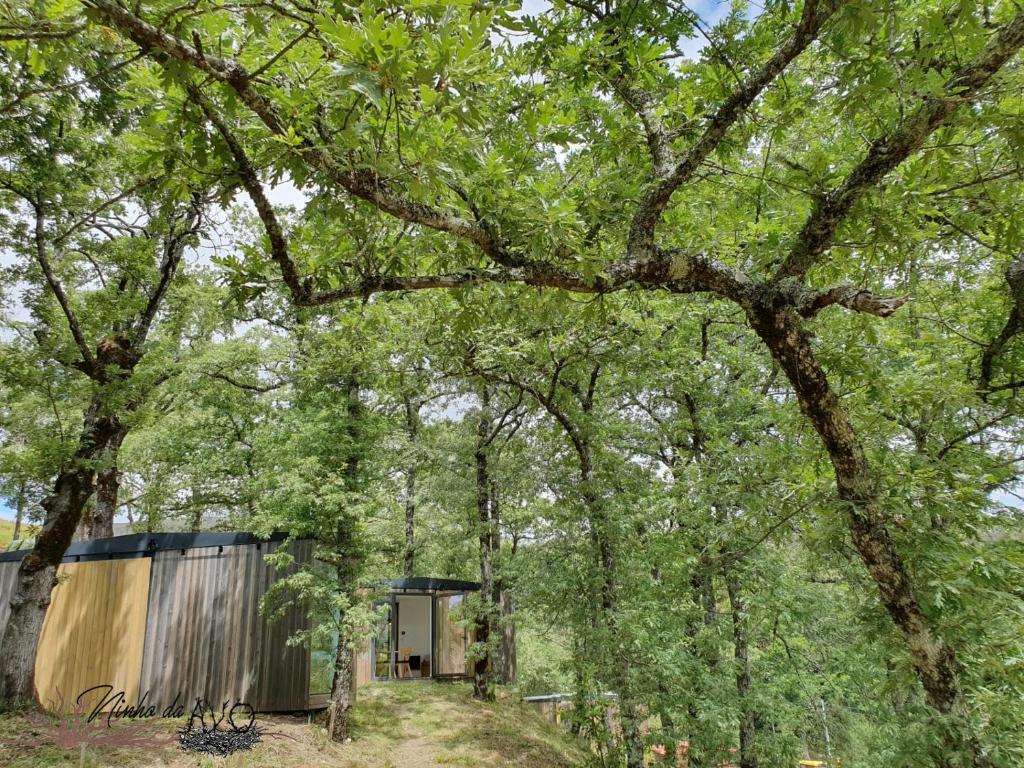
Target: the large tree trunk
pixel 748 717
pixel 482 685
pixel 933 659
pixel 108 485
pixel 37 572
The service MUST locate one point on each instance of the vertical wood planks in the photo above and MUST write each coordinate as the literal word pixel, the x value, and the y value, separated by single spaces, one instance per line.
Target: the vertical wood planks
pixel 8 573
pixel 205 637
pixel 94 632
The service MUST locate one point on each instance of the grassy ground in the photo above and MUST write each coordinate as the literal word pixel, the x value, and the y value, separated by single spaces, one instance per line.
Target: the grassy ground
pixel 406 725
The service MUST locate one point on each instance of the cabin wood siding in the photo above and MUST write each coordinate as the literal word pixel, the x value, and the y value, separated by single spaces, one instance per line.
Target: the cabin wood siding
pixel 93 632
pixel 8 574
pixel 206 638
pixel 364 665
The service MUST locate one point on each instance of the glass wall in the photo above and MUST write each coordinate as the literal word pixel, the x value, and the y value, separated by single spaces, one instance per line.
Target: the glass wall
pixel 382 647
pixel 321 669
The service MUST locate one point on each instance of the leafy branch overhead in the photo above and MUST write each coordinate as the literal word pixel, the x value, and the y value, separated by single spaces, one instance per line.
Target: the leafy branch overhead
pixel 643 263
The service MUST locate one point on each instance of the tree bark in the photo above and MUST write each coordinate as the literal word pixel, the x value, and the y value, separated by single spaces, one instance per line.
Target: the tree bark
pixel 748 717
pixel 343 691
pixel 347 566
pixel 412 424
pixel 934 660
pixel 38 570
pixel 409 558
pixel 19 511
pixel 482 684
pixel 108 485
pixel 507 668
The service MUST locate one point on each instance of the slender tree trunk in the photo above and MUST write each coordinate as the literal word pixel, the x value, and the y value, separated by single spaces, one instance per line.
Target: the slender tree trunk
pixel 409 559
pixel 37 572
pixel 630 717
pixel 507 671
pixel 934 660
pixel 702 593
pixel 195 520
pixel 19 511
pixel 482 684
pixel 749 721
pixel 349 562
pixel 504 659
pixel 412 429
pixel 343 692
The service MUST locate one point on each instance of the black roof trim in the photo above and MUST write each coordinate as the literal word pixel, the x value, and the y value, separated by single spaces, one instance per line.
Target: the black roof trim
pixel 428 584
pixel 143 544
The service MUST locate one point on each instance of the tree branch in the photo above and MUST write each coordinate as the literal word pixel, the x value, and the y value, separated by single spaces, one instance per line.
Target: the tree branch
pixel 645 220
pixel 259 389
pixel 174 249
pixel 88 360
pixel 886 153
pixel 363 183
pixel 1014 324
pixel 251 182
pixel 855 299
pixel 41 32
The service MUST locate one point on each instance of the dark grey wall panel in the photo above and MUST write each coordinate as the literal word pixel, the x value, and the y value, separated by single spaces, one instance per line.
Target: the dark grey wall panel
pixel 8 572
pixel 206 638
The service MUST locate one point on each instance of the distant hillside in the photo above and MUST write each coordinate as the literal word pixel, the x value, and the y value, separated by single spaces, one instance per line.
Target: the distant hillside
pixel 6 533
pixel 396 725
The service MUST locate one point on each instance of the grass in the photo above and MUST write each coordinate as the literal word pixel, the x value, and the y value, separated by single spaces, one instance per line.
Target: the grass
pixel 398 725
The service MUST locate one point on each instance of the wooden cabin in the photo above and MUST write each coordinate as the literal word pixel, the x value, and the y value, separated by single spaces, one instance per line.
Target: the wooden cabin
pixel 166 618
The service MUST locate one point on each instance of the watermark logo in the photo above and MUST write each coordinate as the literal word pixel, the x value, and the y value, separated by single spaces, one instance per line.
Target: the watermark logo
pixel 221 734
pixel 112 722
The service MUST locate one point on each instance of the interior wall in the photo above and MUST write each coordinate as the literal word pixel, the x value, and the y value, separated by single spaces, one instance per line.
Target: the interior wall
pixel 414 624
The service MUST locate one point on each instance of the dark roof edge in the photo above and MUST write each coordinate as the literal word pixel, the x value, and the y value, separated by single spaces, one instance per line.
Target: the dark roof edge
pixel 141 544
pixel 430 584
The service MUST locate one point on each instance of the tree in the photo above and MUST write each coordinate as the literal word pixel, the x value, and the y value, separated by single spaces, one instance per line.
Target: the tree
pixel 103 279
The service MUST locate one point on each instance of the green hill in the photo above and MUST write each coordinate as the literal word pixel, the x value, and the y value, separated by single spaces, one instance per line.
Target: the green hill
pixel 6 533
pixel 397 725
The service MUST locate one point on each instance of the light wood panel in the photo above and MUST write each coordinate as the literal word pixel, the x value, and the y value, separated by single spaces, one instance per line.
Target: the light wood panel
pixel 450 638
pixel 364 664
pixel 93 632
